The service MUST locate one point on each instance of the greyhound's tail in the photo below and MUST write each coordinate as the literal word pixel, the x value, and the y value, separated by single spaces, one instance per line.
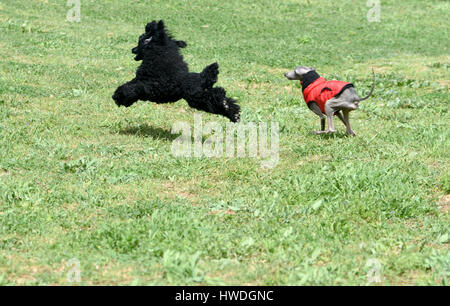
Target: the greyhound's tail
pixel 371 90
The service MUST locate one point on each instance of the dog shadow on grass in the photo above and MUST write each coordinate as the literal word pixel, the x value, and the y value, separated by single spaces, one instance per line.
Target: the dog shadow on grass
pixel 146 130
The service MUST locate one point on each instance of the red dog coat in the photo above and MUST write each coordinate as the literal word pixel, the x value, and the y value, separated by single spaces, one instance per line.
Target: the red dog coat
pixel 320 91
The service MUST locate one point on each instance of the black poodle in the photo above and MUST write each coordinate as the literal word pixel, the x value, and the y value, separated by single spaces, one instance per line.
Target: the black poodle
pixel 164 77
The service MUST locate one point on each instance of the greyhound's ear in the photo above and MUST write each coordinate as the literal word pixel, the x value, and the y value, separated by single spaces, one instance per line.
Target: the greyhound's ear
pixel 150 26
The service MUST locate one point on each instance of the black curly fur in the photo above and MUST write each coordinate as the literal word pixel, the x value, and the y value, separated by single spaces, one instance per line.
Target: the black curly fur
pixel 164 77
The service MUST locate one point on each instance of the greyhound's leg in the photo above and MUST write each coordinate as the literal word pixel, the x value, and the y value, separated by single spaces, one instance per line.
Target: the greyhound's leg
pixel 345 120
pixel 344 105
pixel 329 111
pixel 339 114
pixel 316 110
pixel 347 123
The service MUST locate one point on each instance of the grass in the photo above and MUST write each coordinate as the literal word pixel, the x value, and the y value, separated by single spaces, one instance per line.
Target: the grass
pixel 81 178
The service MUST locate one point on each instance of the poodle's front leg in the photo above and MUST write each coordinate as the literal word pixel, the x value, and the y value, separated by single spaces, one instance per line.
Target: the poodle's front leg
pixel 128 93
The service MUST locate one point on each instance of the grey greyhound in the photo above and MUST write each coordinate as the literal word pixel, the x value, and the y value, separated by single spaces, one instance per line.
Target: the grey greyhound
pixel 328 98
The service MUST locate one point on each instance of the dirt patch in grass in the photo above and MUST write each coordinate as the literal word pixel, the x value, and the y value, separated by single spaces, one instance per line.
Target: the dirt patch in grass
pixel 444 203
pixel 445 83
pixel 24 271
pixel 173 188
pixel 408 279
pixel 275 71
pixel 226 212
pixel 411 65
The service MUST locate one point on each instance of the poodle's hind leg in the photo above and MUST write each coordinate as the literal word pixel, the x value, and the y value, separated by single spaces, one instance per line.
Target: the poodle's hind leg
pixel 215 101
pixel 232 109
pixel 209 75
pixel 128 93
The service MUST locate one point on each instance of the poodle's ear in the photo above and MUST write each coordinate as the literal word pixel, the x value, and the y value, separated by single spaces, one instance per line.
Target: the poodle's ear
pixel 161 25
pixel 181 44
pixel 161 34
pixel 150 26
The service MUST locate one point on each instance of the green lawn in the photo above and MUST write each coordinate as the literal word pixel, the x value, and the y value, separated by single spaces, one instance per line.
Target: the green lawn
pixel 81 178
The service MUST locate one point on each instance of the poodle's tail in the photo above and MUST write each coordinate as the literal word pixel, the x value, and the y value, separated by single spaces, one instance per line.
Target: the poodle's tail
pixel 209 75
pixel 215 101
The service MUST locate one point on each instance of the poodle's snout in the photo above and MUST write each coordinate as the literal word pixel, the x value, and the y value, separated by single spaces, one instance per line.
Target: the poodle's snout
pixel 134 50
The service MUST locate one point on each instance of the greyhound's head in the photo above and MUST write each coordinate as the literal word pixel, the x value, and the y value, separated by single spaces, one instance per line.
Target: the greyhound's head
pixel 298 73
